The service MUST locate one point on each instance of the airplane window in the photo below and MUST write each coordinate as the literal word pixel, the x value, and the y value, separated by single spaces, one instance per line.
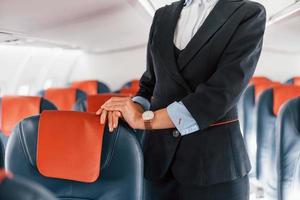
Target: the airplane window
pixel 23 90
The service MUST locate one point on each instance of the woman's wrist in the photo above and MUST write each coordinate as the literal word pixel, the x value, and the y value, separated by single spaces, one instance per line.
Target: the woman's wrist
pixel 140 124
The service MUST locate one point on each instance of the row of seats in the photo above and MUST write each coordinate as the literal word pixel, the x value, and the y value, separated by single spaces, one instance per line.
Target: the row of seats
pixel 65 98
pixel 260 109
pixel 15 108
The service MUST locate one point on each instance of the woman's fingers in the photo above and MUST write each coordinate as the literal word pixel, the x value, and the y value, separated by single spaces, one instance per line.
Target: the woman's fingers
pixel 103 116
pixel 115 119
pixel 110 121
pixel 99 111
pixel 114 108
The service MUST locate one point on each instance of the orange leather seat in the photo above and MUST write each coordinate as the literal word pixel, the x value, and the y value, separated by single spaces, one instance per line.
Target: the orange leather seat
pixel 130 88
pixel 91 87
pixel 64 98
pixel 16 108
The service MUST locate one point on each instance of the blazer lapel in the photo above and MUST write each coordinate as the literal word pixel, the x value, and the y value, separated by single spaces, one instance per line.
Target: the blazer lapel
pixel 218 16
pixel 165 42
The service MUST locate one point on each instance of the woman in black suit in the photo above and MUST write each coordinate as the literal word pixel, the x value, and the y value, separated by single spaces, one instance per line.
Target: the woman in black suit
pixel 197 68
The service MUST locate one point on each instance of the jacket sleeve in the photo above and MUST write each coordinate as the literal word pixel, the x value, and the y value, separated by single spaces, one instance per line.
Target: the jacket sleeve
pixel 220 93
pixel 147 81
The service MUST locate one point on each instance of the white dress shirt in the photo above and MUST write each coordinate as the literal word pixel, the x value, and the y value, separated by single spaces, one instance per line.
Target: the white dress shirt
pixel 191 19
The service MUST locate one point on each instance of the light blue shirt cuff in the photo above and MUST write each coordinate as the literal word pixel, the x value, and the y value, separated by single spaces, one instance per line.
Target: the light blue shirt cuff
pixel 182 118
pixel 142 101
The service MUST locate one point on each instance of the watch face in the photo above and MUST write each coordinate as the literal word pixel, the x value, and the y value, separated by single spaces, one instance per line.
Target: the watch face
pixel 148 115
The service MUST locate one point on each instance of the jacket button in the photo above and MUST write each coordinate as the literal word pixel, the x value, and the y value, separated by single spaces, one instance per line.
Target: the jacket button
pixel 176 133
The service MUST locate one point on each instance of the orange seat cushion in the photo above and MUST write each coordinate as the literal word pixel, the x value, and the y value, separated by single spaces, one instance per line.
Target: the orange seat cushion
pixel 90 87
pixel 132 90
pixel 282 94
pixel 296 80
pixel 16 108
pixel 261 87
pixel 69 145
pixel 135 84
pixel 129 91
pixel 94 102
pixel 63 98
pixel 259 79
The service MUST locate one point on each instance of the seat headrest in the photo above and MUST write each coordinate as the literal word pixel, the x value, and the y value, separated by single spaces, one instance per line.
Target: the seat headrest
pixel 259 88
pixel 296 81
pixel 63 98
pixel 131 88
pixel 94 102
pixel 135 84
pixel 69 145
pixel 16 108
pixel 90 87
pixel 282 94
pixel 259 79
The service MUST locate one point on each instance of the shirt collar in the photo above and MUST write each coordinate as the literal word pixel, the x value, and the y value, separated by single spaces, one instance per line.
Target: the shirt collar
pixel 189 2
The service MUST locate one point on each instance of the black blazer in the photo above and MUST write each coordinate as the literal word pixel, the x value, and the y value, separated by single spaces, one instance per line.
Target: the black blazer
pixel 209 77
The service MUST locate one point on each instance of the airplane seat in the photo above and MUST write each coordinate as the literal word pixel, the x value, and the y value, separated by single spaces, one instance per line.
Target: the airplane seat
pixel 68 164
pixel 16 188
pixel 63 98
pixel 259 79
pixel 254 81
pixel 293 81
pixel 268 107
pixel 93 102
pixel 130 88
pixel 16 108
pixel 91 87
pixel 1 155
pixel 288 153
pixel 132 83
pixel 249 102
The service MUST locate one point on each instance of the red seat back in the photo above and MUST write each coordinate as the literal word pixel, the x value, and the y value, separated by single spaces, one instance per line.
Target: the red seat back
pixel 94 102
pixel 63 98
pixel 90 87
pixel 133 89
pixel 62 152
pixel 259 79
pixel 16 108
pixel 282 94
pixel 259 88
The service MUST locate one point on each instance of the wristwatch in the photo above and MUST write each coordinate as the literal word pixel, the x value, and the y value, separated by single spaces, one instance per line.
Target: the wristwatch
pixel 148 116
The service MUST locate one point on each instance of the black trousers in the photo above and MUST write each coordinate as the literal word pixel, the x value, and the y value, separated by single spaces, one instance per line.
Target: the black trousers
pixel 169 189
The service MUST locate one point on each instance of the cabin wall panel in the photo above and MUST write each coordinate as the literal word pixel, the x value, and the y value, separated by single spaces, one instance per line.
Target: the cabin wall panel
pixel 26 70
pixel 278 66
pixel 113 68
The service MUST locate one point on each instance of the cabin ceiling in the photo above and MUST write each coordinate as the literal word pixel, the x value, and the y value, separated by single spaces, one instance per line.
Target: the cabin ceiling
pixel 95 25
pixel 102 26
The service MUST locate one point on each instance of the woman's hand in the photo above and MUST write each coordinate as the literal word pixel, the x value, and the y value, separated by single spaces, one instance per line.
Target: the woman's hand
pixel 117 107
